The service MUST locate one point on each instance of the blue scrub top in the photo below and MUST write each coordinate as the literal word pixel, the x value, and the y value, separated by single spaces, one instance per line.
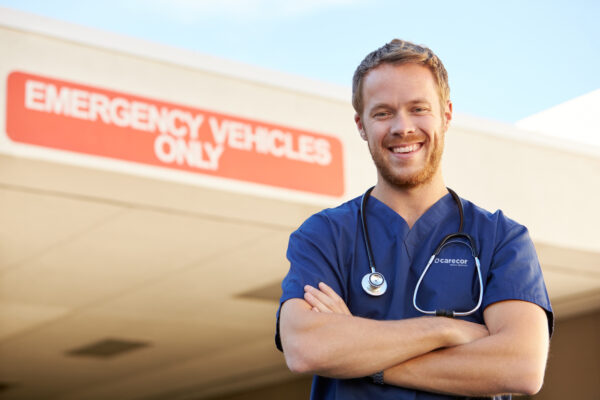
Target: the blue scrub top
pixel 329 247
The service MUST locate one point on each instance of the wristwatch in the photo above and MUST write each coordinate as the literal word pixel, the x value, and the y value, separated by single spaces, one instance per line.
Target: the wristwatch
pixel 377 378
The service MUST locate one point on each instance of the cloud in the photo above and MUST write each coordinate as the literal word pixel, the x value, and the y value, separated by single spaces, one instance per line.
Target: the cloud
pixel 188 11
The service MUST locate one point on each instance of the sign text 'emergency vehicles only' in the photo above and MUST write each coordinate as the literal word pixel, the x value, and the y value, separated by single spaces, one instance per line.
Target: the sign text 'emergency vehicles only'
pixel 68 116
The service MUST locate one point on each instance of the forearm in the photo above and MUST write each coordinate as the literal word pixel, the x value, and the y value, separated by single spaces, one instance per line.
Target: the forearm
pixel 349 347
pixel 511 360
pixel 344 346
pixel 473 369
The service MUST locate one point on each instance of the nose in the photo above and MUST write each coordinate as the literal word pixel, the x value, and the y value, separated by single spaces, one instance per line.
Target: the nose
pixel 402 124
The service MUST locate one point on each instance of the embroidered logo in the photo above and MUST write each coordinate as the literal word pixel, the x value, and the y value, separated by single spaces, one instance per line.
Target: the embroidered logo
pixel 454 262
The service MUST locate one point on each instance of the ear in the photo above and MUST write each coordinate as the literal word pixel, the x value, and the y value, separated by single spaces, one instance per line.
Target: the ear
pixel 359 126
pixel 447 114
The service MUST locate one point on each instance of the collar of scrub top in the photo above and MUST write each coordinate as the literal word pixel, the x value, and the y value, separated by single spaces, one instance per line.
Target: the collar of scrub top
pixel 375 284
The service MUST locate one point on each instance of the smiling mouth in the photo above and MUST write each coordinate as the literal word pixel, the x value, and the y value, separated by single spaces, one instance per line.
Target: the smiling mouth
pixel 404 149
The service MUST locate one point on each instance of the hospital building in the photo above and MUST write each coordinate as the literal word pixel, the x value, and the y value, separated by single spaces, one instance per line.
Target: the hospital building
pixel 147 195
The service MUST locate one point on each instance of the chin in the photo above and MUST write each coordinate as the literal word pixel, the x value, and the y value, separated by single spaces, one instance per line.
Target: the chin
pixel 407 181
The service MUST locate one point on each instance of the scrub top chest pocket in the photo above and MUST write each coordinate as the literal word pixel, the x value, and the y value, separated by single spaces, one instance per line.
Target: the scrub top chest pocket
pixel 451 281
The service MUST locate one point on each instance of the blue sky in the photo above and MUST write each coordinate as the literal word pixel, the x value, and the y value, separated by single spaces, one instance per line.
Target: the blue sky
pixel 506 59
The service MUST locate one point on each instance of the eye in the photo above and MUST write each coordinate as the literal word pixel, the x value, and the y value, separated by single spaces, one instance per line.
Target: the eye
pixel 421 109
pixel 381 114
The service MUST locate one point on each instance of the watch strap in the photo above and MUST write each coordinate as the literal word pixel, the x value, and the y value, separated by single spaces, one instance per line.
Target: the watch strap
pixel 377 378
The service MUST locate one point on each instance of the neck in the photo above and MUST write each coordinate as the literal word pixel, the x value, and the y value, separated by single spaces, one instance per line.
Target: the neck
pixel 410 203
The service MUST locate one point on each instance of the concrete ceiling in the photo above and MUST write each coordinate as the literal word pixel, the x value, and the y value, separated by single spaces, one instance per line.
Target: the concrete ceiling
pixel 192 273
pixel 76 269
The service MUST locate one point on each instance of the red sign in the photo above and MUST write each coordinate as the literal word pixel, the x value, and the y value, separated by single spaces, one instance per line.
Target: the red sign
pixel 84 119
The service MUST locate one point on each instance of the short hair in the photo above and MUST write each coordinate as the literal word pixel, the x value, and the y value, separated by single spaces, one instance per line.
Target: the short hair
pixel 399 52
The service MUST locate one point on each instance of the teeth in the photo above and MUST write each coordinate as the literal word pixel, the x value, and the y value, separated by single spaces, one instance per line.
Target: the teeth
pixel 405 149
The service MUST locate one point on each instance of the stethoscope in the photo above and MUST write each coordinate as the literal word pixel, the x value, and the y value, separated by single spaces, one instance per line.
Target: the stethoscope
pixel 374 282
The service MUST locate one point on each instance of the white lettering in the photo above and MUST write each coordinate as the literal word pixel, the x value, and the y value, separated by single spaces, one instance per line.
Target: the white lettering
pixel 242 136
pixel 186 153
pixel 323 153
pixel 99 106
pixel 34 95
pixel 164 148
pixel 139 116
pixel 452 261
pixel 79 104
pixel 260 139
pixel 157 119
pixel 274 135
pixel 195 124
pixel 197 154
pixel 219 132
pixel 237 136
pixel 289 147
pixel 57 102
pixel 119 112
pixel 306 148
pixel 214 154
pixel 178 130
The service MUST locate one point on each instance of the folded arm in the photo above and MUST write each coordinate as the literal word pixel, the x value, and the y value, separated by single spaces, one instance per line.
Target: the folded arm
pixel 336 344
pixel 511 359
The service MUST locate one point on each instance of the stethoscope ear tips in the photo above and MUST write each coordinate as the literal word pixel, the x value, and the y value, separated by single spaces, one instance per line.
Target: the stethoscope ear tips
pixel 374 284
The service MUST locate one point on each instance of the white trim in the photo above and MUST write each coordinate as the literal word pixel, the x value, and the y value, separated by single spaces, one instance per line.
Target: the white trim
pixel 512 132
pixel 232 185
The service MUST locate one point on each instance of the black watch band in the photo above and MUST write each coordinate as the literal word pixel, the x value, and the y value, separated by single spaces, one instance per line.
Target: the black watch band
pixel 377 378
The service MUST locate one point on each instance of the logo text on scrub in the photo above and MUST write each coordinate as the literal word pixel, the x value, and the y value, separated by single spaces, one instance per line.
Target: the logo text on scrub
pixel 455 262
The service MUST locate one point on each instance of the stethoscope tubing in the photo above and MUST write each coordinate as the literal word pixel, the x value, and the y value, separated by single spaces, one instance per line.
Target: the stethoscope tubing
pixel 380 287
pixel 363 219
pixel 449 313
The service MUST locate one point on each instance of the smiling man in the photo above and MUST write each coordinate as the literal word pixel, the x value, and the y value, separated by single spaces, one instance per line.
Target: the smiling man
pixel 372 281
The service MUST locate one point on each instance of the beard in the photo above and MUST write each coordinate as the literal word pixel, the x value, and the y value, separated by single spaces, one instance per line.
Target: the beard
pixel 403 180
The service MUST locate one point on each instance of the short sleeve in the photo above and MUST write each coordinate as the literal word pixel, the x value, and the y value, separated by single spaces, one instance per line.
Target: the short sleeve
pixel 515 272
pixel 313 257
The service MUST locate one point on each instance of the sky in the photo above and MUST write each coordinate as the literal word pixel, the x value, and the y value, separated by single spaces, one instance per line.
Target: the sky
pixel 506 59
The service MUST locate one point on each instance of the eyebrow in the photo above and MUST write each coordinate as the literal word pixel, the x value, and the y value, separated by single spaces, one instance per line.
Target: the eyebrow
pixel 379 105
pixel 419 100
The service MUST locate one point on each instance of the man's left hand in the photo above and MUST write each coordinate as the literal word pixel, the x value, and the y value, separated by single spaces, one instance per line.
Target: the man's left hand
pixel 325 299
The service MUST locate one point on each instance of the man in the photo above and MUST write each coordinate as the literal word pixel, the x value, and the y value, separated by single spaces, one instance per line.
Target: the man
pixel 364 342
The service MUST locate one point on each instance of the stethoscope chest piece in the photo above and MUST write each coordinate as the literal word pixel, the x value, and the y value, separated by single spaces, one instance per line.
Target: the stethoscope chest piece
pixel 374 284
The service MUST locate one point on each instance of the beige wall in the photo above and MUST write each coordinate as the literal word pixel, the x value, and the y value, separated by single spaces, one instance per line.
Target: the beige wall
pixel 574 364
